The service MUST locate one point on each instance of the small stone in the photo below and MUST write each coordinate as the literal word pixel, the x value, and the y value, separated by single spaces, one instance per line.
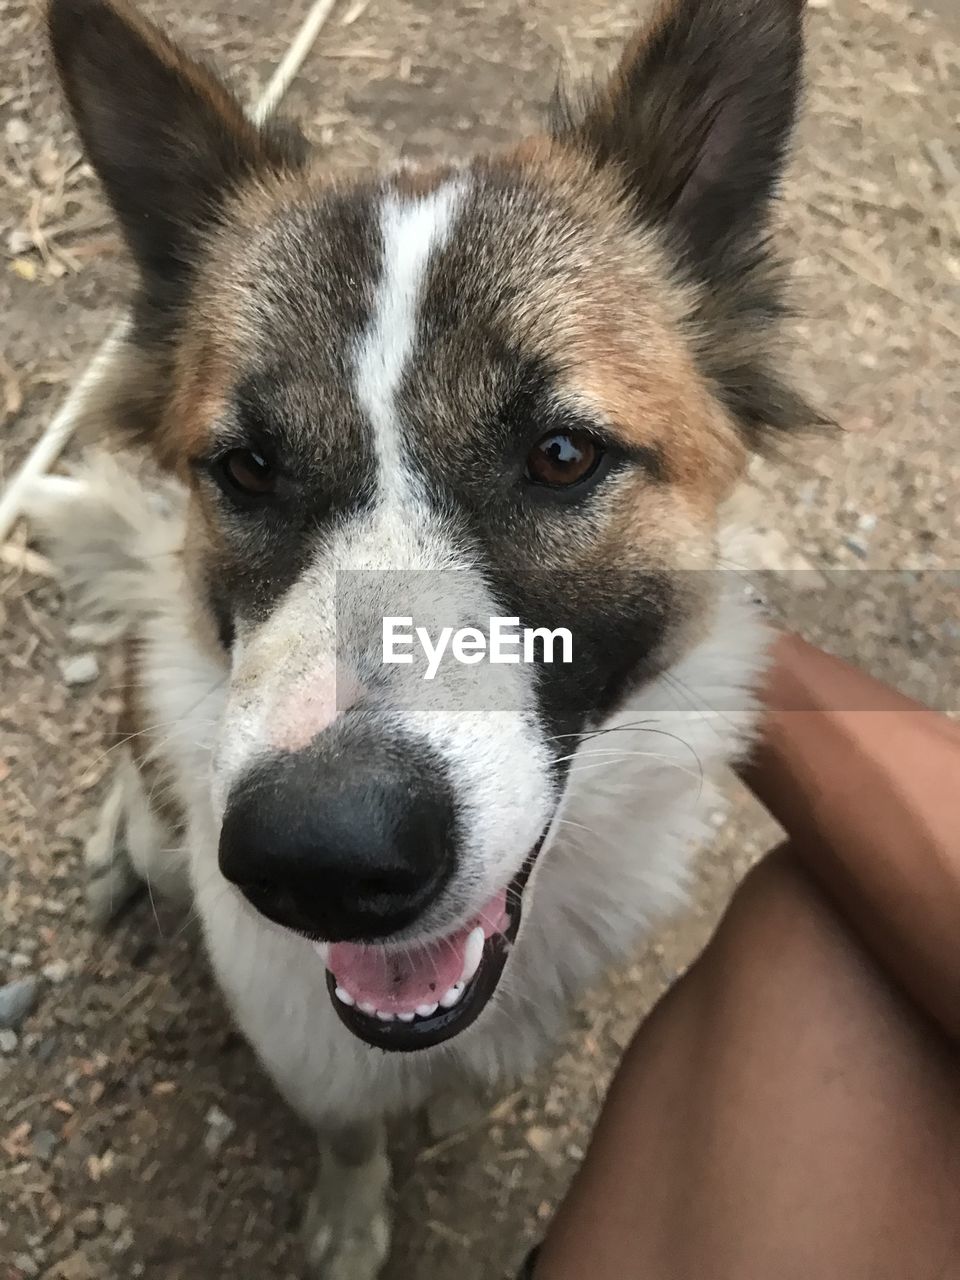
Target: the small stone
pixel 546 1143
pixel 540 1139
pixel 17 131
pixel 45 1143
pixel 75 1267
pixel 20 960
pixel 867 522
pixel 857 546
pixel 46 1048
pixel 8 1041
pixel 220 1129
pixel 124 1241
pixel 56 971
pixel 114 1217
pixel 87 1222
pixel 26 1265
pixel 82 668
pixel 17 999
pixel 63 1242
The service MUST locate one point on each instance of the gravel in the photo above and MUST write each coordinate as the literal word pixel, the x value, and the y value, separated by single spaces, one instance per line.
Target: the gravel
pixel 87 1222
pixel 56 972
pixel 82 668
pixel 78 1266
pixel 115 1218
pixel 17 1000
pixel 220 1129
pixel 45 1143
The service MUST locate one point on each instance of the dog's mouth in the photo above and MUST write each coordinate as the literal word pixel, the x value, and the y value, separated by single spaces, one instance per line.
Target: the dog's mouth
pixel 406 998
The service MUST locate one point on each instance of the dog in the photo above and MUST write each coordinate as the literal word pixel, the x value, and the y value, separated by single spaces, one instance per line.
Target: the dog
pixel 524 386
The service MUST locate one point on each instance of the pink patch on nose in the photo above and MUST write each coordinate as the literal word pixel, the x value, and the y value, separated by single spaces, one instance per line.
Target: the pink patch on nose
pixel 310 706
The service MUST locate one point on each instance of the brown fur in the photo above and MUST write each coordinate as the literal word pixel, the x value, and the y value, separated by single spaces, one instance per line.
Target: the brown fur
pixel 623 350
pixel 411 183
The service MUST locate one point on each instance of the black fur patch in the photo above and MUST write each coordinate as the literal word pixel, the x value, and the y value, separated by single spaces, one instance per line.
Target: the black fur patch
pixel 167 139
pixel 619 622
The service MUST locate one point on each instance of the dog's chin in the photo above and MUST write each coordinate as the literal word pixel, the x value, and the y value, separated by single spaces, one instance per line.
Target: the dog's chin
pixel 406 998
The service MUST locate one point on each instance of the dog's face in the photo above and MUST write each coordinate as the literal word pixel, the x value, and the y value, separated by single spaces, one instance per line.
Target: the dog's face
pixel 518 387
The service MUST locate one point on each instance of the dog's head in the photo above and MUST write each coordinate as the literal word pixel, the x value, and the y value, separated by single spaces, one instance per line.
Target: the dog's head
pixel 516 387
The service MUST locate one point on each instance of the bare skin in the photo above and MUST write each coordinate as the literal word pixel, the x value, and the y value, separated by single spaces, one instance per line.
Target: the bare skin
pixel 791 1109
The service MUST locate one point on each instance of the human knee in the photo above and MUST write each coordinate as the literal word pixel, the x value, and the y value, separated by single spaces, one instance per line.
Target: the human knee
pixel 779 922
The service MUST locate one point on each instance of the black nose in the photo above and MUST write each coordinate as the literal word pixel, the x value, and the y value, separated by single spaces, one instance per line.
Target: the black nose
pixel 346 846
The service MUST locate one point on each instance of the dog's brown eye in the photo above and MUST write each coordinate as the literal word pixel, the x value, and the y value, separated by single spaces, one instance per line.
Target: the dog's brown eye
pixel 249 472
pixel 563 458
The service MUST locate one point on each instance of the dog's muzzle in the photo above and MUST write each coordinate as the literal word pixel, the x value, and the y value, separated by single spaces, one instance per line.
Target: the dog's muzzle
pixel 350 843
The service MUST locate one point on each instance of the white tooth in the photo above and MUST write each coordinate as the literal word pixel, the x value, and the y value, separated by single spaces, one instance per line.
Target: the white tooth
pixel 384 1017
pixel 472 955
pixel 452 996
pixel 368 1008
pixel 344 996
pixel 406 1017
pixel 426 1010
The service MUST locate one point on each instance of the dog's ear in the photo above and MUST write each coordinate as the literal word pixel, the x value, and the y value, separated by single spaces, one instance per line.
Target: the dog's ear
pixel 696 122
pixel 166 137
pixel 697 117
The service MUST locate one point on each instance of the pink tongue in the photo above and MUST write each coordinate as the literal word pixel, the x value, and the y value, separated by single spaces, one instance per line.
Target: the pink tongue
pixel 397 980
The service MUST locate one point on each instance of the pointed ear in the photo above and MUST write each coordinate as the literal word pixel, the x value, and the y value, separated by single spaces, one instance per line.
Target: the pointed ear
pixel 166 137
pixel 698 117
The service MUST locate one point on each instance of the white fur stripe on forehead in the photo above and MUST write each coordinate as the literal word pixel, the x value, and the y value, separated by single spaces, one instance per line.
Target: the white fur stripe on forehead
pixel 411 229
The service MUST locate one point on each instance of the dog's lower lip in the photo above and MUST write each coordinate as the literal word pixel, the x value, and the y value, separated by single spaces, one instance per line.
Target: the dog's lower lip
pixel 442 1024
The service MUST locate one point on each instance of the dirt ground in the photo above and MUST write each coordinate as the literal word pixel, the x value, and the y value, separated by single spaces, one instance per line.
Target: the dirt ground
pixel 137 1135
